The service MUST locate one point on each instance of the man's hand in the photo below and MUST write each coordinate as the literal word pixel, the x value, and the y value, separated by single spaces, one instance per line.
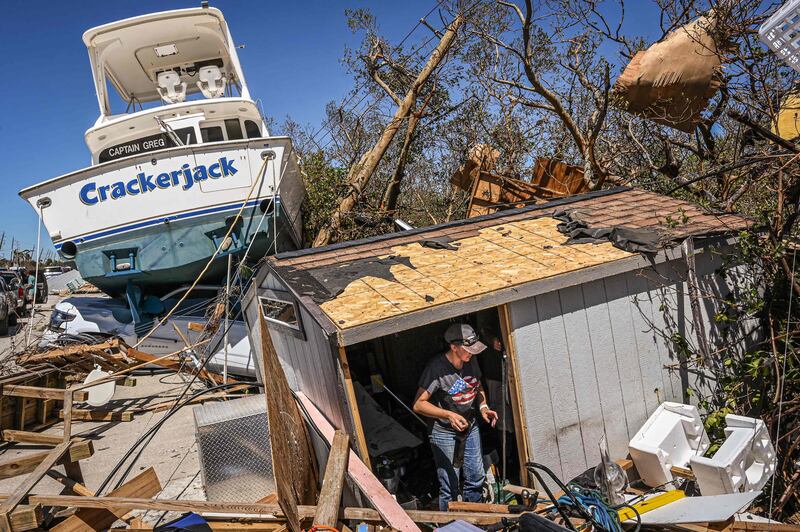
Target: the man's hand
pixel 489 416
pixel 457 421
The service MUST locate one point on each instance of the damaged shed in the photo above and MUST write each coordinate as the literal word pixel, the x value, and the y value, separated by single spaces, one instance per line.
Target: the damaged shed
pixel 588 328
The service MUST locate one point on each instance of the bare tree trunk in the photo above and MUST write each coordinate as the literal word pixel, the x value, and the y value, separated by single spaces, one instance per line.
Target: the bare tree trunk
pixel 392 192
pixel 360 174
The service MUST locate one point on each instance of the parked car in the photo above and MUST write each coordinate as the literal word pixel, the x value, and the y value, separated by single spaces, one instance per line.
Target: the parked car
pixel 10 295
pixel 14 280
pixel 89 318
pixel 5 311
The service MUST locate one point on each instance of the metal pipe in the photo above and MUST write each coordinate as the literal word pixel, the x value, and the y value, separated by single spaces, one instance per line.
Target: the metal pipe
pixel 227 311
pixel 410 411
pixel 503 390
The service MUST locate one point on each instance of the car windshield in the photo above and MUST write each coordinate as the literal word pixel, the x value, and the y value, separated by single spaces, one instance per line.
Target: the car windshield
pixel 9 277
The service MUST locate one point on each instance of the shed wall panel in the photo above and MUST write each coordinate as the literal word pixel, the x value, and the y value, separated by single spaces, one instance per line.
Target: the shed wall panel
pixel 308 363
pixel 562 389
pixel 592 358
pixel 584 376
pixel 536 382
pixel 628 363
pixel 612 405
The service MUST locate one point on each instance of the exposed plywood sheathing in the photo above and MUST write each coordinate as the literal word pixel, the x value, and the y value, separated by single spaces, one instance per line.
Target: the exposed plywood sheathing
pixel 597 359
pixel 369 281
pixel 497 257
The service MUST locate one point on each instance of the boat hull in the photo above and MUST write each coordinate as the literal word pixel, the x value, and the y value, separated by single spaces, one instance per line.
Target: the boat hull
pixel 155 220
pixel 175 254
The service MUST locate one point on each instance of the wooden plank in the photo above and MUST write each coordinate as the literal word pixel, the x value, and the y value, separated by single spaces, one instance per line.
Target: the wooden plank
pixel 352 404
pixel 261 511
pixel 514 390
pixel 167 405
pixel 601 337
pixel 386 505
pixel 683 472
pixel 26 517
pixel 8 506
pixel 659 310
pixel 69 351
pixel 292 453
pixel 37 438
pixel 165 362
pixel 145 484
pixel 70 484
pixel 38 392
pixel 66 414
pixel 330 496
pixel 463 506
pixel 25 464
pixel 97 415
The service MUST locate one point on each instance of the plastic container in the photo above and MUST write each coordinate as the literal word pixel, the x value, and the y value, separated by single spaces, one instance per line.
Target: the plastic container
pixel 744 462
pixel 781 33
pixel 670 437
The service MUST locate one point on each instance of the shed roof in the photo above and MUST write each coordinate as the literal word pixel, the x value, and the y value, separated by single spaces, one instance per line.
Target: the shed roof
pixel 366 282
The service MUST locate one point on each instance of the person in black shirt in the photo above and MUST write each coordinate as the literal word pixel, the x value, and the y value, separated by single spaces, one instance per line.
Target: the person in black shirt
pixel 450 392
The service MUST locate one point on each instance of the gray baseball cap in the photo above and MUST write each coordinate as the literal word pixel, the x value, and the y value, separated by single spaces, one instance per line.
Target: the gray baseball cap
pixel 464 335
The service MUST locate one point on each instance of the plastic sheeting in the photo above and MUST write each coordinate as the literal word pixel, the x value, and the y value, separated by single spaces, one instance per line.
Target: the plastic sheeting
pixel 672 81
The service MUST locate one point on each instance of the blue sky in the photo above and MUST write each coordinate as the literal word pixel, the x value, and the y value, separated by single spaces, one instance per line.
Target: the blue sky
pixel 291 61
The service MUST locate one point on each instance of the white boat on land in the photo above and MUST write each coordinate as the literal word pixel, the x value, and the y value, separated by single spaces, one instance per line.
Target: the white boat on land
pixel 170 173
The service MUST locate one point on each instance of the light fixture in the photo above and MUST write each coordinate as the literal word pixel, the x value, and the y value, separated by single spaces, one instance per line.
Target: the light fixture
pixel 166 50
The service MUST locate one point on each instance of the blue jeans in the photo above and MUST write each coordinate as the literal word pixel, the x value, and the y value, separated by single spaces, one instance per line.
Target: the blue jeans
pixel 443 443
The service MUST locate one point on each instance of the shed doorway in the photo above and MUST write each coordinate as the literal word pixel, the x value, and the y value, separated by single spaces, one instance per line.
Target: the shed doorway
pixel 385 373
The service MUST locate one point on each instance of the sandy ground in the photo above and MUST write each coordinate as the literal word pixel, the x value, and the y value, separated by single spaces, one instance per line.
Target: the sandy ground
pixel 172 452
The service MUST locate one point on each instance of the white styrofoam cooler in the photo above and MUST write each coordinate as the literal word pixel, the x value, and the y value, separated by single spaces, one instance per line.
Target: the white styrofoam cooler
pixel 670 437
pixel 744 462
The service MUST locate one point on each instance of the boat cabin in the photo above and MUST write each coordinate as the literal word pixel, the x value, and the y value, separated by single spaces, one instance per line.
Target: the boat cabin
pixel 179 79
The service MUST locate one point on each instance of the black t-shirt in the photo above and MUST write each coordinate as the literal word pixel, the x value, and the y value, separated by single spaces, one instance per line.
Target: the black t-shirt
pixel 452 389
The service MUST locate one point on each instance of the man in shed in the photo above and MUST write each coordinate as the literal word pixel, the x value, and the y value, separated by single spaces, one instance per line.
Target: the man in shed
pixel 450 392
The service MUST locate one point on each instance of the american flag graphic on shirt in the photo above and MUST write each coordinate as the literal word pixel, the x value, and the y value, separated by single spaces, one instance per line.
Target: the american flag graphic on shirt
pixel 464 390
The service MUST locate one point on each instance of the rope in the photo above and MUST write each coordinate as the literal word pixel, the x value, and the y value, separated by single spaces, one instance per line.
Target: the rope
pixel 783 375
pixel 592 502
pixel 214 256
